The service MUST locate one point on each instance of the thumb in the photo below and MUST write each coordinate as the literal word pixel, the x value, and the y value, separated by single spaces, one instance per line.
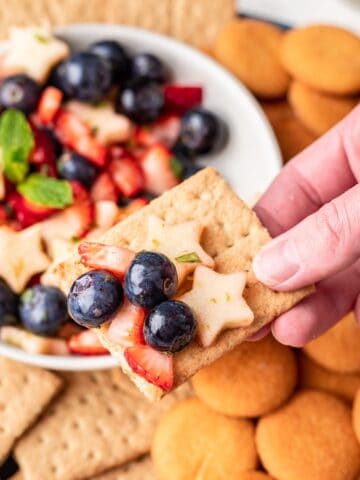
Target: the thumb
pixel 322 244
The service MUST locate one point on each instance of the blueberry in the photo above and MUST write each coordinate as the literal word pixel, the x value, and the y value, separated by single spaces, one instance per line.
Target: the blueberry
pixel 148 68
pixel 190 170
pixel 20 92
pixel 200 130
pixel 8 305
pixel 94 297
pixel 142 103
pixel 84 76
pixel 116 55
pixel 73 166
pixel 43 309
pixel 150 280
pixel 170 326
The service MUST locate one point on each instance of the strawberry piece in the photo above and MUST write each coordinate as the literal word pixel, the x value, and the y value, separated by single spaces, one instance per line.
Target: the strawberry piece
pixel 49 104
pixel 159 175
pixel 43 155
pixel 3 215
pixel 104 188
pixel 180 98
pixel 156 367
pixel 27 213
pixel 86 343
pixel 127 175
pixel 74 133
pixel 126 328
pixel 74 221
pixel 165 130
pixel 107 257
pixel 132 207
pixel 106 213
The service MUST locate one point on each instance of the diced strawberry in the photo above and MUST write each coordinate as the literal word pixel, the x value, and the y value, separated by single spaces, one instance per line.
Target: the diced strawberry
pixel 127 175
pixel 157 168
pixel 108 257
pixel 27 213
pixel 86 343
pixel 132 207
pixel 104 188
pixel 165 130
pixel 43 155
pixel 126 328
pixel 180 98
pixel 156 367
pixel 68 330
pixel 4 215
pixel 74 221
pixel 74 133
pixel 49 104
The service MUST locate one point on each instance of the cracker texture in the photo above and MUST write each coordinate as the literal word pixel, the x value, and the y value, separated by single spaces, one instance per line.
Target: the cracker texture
pixel 139 470
pixel 232 236
pixel 94 426
pixel 24 393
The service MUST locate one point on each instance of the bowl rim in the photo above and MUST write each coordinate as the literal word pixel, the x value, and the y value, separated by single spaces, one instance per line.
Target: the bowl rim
pixel 82 362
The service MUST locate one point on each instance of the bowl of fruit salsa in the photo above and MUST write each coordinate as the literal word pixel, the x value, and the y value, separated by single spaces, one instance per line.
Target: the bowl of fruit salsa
pixel 96 120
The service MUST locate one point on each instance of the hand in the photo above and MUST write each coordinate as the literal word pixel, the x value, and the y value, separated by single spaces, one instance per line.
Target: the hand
pixel 313 209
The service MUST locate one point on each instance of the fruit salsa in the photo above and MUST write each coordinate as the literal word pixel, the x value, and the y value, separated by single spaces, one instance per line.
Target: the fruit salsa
pixel 87 138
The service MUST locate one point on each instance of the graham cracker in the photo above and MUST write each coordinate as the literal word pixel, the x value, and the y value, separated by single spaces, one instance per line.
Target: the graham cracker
pixel 199 22
pixel 232 236
pixel 139 470
pixel 94 426
pixel 24 393
pixel 153 15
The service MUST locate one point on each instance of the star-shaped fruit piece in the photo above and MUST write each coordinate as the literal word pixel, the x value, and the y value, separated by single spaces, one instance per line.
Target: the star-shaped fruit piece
pixel 21 256
pixel 217 302
pixel 180 243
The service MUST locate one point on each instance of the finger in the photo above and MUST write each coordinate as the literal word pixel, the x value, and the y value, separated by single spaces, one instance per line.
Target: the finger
pixel 260 334
pixel 333 299
pixel 324 243
pixel 320 173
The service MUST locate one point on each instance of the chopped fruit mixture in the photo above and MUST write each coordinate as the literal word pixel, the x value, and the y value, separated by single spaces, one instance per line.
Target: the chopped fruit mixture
pixel 86 138
pixel 135 298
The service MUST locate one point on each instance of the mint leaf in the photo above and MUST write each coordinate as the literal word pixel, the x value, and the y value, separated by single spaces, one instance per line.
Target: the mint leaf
pixel 41 38
pixel 176 167
pixel 191 257
pixel 46 191
pixel 16 143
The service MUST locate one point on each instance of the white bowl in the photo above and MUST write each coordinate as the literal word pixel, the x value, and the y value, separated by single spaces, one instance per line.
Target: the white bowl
pixel 250 160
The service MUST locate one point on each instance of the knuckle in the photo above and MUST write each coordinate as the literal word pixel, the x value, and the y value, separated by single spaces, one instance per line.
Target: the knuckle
pixel 332 226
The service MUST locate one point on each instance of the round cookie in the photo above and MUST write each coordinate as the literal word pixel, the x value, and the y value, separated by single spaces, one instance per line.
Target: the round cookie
pixel 309 438
pixel 318 111
pixel 313 376
pixel 325 57
pixel 249 381
pixel 254 476
pixel 293 137
pixel 250 49
pixel 338 348
pixel 193 441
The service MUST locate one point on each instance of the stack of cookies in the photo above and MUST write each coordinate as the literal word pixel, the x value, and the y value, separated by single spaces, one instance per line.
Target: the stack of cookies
pixel 265 411
pixel 307 79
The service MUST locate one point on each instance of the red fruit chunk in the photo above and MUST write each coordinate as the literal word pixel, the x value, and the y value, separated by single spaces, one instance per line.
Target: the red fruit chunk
pixel 127 175
pixel 49 104
pixel 43 155
pixel 165 130
pixel 104 188
pixel 156 367
pixel 86 343
pixel 126 328
pixel 107 257
pixel 180 98
pixel 27 213
pixel 74 133
pixel 159 175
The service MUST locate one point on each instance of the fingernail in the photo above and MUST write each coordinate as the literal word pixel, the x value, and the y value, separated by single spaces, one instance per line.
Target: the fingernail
pixel 276 264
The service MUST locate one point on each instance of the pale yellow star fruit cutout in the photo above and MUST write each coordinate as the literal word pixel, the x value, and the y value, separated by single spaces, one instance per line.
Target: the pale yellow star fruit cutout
pixel 217 302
